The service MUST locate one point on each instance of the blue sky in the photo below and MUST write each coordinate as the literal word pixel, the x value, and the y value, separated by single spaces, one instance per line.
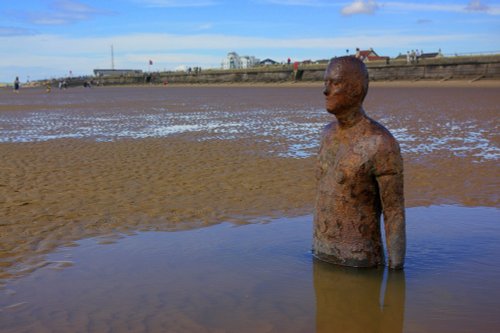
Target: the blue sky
pixel 49 38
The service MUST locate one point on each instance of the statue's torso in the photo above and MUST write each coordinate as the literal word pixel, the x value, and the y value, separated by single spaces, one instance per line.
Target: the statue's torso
pixel 348 208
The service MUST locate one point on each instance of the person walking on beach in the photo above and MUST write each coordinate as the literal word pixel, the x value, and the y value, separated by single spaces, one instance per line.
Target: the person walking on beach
pixel 360 175
pixel 295 70
pixel 16 85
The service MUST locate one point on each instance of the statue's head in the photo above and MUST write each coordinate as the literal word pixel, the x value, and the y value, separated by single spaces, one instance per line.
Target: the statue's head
pixel 346 84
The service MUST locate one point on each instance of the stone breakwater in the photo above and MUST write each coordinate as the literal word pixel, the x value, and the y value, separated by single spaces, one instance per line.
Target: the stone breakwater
pixel 452 68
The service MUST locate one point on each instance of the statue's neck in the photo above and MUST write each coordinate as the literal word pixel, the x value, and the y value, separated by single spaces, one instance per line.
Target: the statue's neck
pixel 350 117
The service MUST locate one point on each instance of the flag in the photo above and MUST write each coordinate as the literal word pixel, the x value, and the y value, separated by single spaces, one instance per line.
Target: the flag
pixel 150 62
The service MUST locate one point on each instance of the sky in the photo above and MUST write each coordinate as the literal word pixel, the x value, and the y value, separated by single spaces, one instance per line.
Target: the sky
pixel 41 39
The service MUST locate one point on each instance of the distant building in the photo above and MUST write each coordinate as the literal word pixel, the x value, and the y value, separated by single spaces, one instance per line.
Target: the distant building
pixel 234 61
pixel 431 55
pixel 369 55
pixel 267 62
pixel 428 55
pixel 116 72
pixel 248 61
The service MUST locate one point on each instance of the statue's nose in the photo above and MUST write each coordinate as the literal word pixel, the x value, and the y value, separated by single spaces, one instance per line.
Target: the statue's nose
pixel 326 91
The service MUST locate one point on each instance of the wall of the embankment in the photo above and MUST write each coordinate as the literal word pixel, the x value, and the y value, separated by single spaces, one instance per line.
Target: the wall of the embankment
pixel 454 68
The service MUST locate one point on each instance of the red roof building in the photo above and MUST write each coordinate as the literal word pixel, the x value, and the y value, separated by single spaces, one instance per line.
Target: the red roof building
pixel 369 55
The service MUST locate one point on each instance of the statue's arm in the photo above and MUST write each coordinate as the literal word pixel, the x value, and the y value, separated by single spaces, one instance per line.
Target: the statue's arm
pixel 392 197
pixel 326 138
pixel 389 174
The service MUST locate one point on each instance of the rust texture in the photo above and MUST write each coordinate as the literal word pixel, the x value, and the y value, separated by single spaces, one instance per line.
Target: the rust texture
pixel 360 176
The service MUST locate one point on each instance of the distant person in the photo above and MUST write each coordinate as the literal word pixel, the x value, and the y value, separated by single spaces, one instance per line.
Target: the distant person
pixel 295 70
pixel 48 87
pixel 360 176
pixel 413 56
pixel 16 85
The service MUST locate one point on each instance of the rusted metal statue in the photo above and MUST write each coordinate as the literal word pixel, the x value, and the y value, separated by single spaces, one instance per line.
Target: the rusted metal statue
pixel 360 175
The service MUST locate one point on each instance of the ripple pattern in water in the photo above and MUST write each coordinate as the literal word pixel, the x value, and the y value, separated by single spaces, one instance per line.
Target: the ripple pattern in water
pixel 262 278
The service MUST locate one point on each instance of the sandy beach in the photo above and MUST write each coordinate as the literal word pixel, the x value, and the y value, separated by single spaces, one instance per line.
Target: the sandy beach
pixel 55 192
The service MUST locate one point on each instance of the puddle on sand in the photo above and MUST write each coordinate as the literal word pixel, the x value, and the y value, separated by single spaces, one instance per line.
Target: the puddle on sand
pixel 262 278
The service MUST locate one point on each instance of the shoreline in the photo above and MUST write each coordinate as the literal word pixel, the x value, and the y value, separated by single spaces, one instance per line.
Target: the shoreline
pixel 305 84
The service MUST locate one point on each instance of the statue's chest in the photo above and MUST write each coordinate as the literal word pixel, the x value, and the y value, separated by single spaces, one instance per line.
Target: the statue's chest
pixel 345 162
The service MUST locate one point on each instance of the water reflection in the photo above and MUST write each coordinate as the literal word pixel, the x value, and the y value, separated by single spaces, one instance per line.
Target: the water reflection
pixel 358 300
pixel 261 278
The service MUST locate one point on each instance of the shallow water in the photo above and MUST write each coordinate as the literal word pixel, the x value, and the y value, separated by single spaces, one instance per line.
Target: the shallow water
pixel 262 278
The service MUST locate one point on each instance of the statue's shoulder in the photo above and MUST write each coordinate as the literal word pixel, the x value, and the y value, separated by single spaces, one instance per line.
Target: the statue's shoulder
pixel 384 136
pixel 387 159
pixel 327 136
pixel 330 128
pixel 379 129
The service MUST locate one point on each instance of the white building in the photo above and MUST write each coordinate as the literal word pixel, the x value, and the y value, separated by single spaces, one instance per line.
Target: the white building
pixel 249 61
pixel 234 61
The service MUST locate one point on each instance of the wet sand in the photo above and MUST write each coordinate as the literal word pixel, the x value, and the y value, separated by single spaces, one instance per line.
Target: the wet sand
pixel 76 163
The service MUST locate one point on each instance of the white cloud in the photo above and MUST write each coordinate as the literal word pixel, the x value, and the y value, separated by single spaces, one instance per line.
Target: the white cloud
pixel 15 31
pixel 424 21
pixel 476 5
pixel 63 12
pixel 370 6
pixel 360 7
pixel 473 6
pixel 204 26
pixel 308 3
pixel 177 3
pixel 171 58
pixel 52 20
pixel 72 6
pixel 165 43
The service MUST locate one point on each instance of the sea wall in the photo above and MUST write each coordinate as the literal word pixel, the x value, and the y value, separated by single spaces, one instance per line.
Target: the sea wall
pixel 447 68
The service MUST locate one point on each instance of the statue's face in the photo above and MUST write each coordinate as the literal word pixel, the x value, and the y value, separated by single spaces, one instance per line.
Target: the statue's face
pixel 334 90
pixel 342 91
